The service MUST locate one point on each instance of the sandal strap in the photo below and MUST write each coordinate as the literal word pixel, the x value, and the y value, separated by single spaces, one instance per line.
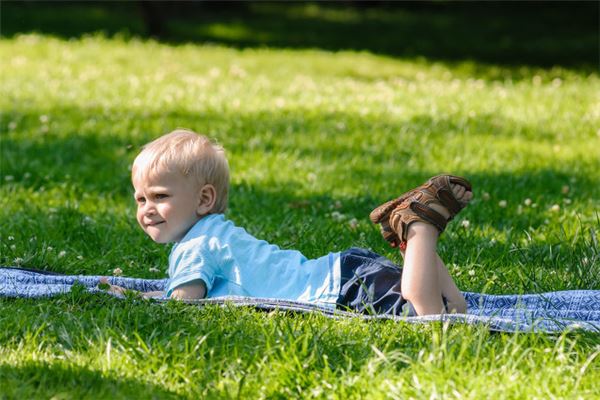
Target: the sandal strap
pixel 414 211
pixel 429 215
pixel 447 199
pixel 438 188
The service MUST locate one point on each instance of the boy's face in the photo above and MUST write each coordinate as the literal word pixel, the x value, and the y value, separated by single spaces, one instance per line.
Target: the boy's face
pixel 167 206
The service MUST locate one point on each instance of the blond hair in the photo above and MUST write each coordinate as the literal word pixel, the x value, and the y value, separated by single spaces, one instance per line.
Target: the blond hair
pixel 191 154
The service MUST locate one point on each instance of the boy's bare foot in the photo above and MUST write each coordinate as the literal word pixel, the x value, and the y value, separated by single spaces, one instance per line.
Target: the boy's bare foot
pixel 435 202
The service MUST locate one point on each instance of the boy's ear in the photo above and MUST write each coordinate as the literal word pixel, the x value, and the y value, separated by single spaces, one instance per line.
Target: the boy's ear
pixel 206 199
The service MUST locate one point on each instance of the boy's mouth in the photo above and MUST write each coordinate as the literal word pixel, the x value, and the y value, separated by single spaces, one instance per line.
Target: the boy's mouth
pixel 155 223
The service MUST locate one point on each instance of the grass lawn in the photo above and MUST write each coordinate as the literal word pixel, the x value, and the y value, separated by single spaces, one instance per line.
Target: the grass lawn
pixel 316 139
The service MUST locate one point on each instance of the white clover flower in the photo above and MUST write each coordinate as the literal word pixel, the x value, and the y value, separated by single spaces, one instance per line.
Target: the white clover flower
pixel 44 119
pixel 353 223
pixel 62 253
pixel 565 189
pixel 502 203
pixel 13 247
pixel 11 238
pixel 465 223
pixel 337 204
pixel 555 208
pixel 18 261
pixel 49 248
pixel 471 272
pixel 527 202
pixel 9 178
pixel 117 272
pixel 154 269
pixel 485 196
pixel 585 261
pixel 337 216
pixel 12 125
pixel 80 257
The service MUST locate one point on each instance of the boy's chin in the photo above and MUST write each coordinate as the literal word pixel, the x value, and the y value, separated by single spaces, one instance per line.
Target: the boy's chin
pixel 160 239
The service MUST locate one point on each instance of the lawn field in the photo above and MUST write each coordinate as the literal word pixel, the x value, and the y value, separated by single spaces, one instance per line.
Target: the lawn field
pixel 315 138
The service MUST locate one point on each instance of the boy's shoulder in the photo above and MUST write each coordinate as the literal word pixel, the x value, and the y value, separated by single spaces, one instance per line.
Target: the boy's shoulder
pixel 203 234
pixel 209 225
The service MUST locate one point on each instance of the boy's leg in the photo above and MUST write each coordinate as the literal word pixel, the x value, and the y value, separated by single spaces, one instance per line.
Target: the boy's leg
pixel 420 283
pixel 455 300
pixel 425 278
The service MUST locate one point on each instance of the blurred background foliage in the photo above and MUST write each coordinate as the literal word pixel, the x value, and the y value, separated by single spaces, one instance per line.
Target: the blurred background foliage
pixel 528 33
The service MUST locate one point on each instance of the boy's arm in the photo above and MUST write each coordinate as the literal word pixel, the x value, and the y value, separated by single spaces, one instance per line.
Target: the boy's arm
pixel 121 290
pixel 190 291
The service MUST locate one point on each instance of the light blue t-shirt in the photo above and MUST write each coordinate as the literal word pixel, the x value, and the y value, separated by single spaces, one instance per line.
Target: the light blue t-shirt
pixel 231 262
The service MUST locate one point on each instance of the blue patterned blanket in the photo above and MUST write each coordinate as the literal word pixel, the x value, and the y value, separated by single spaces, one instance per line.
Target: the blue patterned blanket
pixel 543 312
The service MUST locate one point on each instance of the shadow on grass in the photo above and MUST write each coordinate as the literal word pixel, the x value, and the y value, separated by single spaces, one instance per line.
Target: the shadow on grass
pixel 100 163
pixel 503 33
pixel 61 380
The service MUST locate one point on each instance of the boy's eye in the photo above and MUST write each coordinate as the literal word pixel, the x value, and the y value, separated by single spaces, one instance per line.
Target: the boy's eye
pixel 160 196
pixel 140 199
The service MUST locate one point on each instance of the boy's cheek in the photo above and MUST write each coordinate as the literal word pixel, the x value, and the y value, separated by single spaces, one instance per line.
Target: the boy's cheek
pixel 139 218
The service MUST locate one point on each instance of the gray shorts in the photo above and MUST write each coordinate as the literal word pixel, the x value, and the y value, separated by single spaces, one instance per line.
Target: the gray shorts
pixel 371 284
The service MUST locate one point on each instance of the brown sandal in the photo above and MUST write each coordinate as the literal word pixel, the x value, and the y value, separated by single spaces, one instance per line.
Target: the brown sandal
pixel 435 189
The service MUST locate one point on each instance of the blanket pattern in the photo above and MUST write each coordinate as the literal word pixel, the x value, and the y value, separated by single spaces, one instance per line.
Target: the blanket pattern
pixel 544 312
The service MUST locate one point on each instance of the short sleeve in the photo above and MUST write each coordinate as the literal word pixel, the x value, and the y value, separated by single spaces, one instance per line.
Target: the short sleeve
pixel 190 261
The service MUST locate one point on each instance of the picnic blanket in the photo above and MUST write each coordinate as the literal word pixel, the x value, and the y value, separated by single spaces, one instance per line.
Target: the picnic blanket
pixel 542 312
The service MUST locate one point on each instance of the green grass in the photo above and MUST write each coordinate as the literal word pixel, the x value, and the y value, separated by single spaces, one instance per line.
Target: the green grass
pixel 310 134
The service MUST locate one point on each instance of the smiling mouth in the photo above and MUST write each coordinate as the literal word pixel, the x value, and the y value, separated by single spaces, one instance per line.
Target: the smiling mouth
pixel 155 223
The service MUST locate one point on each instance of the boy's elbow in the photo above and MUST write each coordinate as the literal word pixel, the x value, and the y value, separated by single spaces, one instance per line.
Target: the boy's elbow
pixel 190 291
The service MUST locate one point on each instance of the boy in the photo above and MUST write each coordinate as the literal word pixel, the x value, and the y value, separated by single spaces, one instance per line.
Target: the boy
pixel 181 185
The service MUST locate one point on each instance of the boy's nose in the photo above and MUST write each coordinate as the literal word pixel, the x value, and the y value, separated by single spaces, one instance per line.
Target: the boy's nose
pixel 149 209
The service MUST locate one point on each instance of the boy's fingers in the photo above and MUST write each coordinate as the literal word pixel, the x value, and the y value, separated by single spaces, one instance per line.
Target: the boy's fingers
pixel 116 289
pixel 104 279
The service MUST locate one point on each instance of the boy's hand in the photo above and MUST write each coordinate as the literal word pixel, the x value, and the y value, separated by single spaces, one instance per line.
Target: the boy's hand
pixel 104 285
pixel 111 288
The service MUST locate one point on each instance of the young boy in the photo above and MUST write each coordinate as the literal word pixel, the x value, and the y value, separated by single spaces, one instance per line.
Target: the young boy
pixel 181 185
